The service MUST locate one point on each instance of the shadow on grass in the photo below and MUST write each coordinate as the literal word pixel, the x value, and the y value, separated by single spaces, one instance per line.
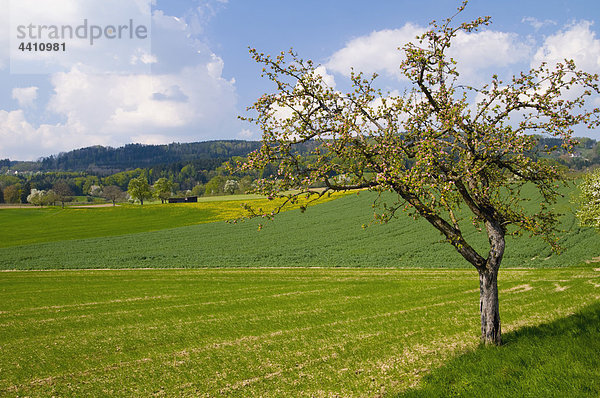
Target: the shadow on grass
pixel 558 359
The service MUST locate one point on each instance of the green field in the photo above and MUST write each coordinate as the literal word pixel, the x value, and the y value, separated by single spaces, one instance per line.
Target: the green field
pixel 291 332
pixel 327 235
pixel 54 224
pixel 274 327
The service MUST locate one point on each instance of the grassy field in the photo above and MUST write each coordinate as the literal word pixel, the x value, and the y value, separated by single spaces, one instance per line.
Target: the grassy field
pixel 35 225
pixel 292 332
pixel 369 330
pixel 556 359
pixel 327 235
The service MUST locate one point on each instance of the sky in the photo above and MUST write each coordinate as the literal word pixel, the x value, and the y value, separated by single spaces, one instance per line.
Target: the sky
pixel 192 76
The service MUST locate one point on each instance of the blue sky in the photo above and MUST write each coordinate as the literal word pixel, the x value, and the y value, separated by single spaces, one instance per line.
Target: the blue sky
pixel 200 76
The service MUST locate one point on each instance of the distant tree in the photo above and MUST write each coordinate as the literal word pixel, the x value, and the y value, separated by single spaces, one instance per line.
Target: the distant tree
pixel 12 194
pixel 36 197
pixel 231 186
pixel 113 193
pixel 122 179
pixel 198 190
pixel 49 198
pixel 215 185
pixel 6 180
pixel 63 192
pixel 89 183
pixel 95 190
pixel 24 191
pixel 41 197
pixel 163 189
pixel 139 189
pixel 188 171
pixel 1 195
pixel 246 184
pixel 456 155
pixel 589 200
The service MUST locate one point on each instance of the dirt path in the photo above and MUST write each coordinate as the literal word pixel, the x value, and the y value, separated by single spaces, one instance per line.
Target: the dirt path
pixel 35 207
pixel 85 206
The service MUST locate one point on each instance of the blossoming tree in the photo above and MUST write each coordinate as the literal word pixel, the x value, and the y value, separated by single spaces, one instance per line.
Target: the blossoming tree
pixel 589 200
pixel 444 149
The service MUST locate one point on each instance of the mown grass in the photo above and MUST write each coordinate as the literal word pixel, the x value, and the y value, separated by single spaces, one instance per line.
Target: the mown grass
pixel 290 332
pixel 327 235
pixel 36 225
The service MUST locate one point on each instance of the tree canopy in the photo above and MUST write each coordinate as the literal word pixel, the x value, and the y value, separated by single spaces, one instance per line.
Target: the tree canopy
pixel 139 189
pixel 445 149
pixel 163 188
pixel 63 191
pixel 113 193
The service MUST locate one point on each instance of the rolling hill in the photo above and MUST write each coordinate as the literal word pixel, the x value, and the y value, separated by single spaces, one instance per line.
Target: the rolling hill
pixel 327 235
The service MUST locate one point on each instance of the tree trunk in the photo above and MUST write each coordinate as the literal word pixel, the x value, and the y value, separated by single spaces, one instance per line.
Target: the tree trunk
pixel 489 308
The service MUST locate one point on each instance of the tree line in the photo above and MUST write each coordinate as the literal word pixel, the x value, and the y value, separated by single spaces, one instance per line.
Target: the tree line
pixel 200 176
pixel 99 160
pixel 184 179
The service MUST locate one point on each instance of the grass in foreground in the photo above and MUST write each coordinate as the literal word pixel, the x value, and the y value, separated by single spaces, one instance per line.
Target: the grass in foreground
pixel 310 332
pixel 556 359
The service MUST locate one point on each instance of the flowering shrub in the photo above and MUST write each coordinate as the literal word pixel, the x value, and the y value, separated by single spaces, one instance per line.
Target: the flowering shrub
pixel 589 200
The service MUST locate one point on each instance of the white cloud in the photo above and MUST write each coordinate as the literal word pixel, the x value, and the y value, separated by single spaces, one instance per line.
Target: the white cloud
pixel 174 46
pixel 115 110
pixel 481 54
pixel 185 99
pixel 577 42
pixel 245 134
pixel 215 67
pixel 475 53
pixel 84 18
pixel 122 106
pixel 140 56
pixel 25 96
pixel 537 24
pixel 21 140
pixel 327 78
pixel 205 11
pixel 376 52
pixel 14 129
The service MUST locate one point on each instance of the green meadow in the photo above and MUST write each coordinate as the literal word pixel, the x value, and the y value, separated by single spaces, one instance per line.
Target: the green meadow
pixel 295 332
pixel 52 224
pixel 170 300
pixel 326 235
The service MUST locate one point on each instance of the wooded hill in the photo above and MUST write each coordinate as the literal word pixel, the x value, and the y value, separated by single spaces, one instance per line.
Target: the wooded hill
pixel 102 161
pixel 106 160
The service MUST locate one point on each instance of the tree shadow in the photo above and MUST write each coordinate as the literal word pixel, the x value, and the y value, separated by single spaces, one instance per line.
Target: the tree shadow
pixel 557 359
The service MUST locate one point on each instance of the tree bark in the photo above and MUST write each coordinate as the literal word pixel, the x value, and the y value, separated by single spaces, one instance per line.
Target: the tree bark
pixel 489 307
pixel 491 333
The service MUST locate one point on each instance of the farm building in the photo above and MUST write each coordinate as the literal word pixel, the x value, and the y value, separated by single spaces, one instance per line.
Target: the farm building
pixel 191 199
